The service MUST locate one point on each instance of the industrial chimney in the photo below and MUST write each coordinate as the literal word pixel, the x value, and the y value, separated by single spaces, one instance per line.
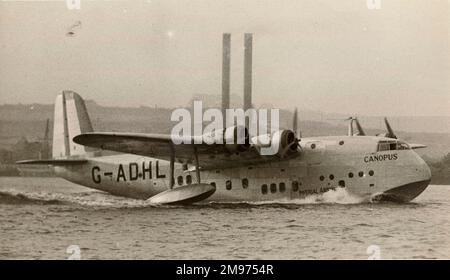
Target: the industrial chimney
pixel 248 45
pixel 226 50
pixel 226 58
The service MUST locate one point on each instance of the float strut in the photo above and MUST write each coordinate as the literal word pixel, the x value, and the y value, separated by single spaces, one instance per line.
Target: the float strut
pixel 197 169
pixel 172 166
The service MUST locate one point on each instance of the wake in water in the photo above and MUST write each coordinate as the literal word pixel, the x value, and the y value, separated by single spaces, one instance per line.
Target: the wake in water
pixel 332 196
pixel 89 199
pixel 20 198
pixel 100 199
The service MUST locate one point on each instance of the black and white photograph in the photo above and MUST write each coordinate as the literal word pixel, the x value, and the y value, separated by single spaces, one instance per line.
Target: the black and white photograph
pixel 225 130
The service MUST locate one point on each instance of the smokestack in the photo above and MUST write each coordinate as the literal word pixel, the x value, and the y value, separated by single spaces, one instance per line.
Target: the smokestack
pixel 47 130
pixel 248 44
pixel 226 50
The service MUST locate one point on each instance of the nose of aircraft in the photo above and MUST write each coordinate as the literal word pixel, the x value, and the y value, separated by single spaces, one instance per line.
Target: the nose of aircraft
pixel 425 169
pixel 422 169
pixel 408 192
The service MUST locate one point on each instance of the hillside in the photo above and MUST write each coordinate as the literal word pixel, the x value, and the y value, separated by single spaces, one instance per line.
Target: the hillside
pixel 17 121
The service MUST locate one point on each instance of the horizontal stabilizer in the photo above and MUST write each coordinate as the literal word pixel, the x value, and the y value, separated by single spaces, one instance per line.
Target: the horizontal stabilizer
pixel 55 162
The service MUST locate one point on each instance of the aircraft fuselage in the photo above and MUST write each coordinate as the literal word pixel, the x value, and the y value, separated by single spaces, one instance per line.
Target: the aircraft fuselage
pixel 324 163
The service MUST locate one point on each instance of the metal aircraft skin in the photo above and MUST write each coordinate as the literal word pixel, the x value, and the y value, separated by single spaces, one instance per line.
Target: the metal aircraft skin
pixel 377 167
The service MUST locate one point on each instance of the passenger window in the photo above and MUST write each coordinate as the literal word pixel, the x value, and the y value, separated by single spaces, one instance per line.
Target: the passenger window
pixel 188 179
pixel 273 188
pixel 342 183
pixel 180 180
pixel 295 186
pixel 264 189
pixel 228 185
pixel 245 183
pixel 282 187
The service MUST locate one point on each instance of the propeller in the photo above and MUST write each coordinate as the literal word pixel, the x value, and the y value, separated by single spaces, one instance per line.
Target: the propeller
pixel 297 133
pixel 294 128
pixel 350 126
pixel 293 140
pixel 295 122
pixel 359 127
pixel 296 141
pixel 390 132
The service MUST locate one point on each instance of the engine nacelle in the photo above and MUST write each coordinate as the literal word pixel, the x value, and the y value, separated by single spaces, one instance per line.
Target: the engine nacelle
pixel 281 143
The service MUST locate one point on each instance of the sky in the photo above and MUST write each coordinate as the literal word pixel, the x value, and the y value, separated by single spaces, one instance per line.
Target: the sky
pixel 326 55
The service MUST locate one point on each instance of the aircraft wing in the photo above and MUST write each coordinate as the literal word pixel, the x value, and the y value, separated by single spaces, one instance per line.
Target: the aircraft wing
pixel 211 156
pixel 55 162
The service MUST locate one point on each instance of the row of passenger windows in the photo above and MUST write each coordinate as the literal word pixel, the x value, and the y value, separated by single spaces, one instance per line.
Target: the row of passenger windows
pixel 281 187
pixel 273 187
pixel 188 180
pixel 228 184
pixel 350 175
pixel 313 145
pixel 295 184
pixel 264 188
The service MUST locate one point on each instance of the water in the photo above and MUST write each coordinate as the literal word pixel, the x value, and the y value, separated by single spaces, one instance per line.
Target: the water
pixel 40 218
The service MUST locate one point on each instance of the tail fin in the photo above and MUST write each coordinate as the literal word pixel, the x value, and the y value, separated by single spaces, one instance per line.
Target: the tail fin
pixel 71 118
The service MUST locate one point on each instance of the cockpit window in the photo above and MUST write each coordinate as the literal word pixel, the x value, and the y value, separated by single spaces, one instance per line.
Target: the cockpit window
pixel 392 146
pixel 385 146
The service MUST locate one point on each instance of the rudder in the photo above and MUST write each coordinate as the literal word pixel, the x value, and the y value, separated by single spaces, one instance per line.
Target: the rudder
pixel 71 119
